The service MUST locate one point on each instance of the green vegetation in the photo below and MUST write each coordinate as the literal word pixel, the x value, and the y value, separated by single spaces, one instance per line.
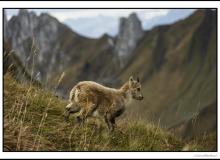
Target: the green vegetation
pixel 33 122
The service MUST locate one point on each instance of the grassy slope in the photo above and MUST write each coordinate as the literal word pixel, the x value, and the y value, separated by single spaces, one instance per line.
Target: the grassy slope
pixel 33 122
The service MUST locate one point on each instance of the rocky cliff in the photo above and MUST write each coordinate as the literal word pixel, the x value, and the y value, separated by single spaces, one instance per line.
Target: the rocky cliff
pixel 130 32
pixel 46 45
pixel 36 40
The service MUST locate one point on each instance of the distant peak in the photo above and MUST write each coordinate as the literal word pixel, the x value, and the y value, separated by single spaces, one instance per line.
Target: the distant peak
pixel 130 32
pixel 105 35
pixel 23 12
pixel 133 15
pixel 131 18
pixel 45 15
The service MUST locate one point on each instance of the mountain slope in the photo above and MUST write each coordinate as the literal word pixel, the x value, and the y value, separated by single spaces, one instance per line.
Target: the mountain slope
pixel 178 69
pixel 33 122
pixel 195 126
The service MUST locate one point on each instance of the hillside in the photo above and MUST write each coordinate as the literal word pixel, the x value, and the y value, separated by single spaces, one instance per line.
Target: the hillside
pixel 33 122
pixel 195 126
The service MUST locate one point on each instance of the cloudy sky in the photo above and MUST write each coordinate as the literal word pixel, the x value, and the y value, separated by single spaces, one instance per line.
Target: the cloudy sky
pixel 95 22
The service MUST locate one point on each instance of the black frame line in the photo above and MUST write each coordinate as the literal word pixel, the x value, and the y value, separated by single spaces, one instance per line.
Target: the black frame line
pixel 113 8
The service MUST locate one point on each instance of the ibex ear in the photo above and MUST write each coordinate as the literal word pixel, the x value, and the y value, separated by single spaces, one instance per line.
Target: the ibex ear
pixel 131 79
pixel 138 80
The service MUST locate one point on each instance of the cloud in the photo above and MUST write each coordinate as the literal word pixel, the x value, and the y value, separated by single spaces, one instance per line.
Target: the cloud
pixel 96 22
pixel 172 16
pixel 152 13
pixel 63 15
pixel 94 27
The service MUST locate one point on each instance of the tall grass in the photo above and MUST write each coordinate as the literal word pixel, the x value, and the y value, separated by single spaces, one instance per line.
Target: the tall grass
pixel 33 122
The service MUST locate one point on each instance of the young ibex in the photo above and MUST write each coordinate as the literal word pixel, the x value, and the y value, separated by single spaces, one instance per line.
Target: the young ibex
pixel 93 99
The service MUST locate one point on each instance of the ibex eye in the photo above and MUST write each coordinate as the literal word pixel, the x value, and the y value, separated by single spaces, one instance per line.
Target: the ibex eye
pixel 138 89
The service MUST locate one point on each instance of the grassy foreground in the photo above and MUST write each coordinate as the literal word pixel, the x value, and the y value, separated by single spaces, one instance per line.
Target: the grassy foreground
pixel 33 122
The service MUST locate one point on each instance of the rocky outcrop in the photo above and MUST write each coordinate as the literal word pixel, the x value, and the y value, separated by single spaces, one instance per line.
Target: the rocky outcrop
pixel 130 32
pixel 12 64
pixel 37 41
pixel 48 48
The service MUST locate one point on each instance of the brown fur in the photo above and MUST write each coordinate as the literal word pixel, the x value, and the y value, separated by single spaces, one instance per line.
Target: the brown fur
pixel 93 99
